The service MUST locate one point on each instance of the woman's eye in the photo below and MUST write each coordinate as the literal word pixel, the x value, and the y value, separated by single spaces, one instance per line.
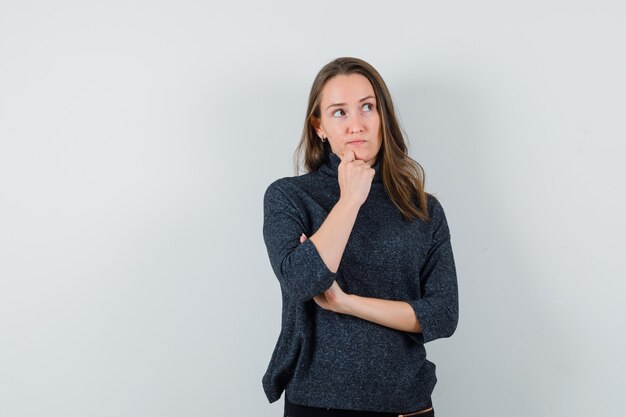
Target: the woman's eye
pixel 368 106
pixel 338 113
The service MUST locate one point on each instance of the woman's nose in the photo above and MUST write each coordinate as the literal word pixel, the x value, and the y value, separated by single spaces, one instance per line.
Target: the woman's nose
pixel 356 125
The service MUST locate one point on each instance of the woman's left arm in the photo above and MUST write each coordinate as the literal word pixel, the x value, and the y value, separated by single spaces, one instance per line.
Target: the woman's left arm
pixel 397 315
pixel 432 316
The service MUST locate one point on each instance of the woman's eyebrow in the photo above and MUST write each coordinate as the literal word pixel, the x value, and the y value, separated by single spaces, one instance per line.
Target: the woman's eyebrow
pixel 343 104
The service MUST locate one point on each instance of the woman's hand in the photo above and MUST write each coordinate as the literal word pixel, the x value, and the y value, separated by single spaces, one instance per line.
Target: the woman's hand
pixel 355 178
pixel 334 298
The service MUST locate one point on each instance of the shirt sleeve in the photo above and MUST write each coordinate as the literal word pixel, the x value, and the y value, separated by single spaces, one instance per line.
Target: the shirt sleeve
pixel 438 308
pixel 298 266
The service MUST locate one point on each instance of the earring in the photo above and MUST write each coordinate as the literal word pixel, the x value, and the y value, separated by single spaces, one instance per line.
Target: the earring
pixel 323 139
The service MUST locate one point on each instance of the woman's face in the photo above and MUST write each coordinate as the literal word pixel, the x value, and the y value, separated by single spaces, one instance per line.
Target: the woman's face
pixel 349 119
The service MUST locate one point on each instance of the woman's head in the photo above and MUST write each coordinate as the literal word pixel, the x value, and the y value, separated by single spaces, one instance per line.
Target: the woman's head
pixel 347 117
pixel 366 112
pixel 350 107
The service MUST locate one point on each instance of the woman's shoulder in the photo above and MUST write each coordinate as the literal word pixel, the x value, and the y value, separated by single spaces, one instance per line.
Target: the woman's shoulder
pixel 433 203
pixel 284 184
pixel 302 181
pixel 292 187
pixel 437 215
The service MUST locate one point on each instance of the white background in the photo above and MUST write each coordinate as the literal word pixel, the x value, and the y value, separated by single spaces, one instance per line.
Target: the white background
pixel 137 139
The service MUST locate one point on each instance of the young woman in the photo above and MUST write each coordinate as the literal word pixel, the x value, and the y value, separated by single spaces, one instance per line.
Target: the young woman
pixel 363 257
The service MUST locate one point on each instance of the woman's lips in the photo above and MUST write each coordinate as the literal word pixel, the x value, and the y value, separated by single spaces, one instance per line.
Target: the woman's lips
pixel 356 142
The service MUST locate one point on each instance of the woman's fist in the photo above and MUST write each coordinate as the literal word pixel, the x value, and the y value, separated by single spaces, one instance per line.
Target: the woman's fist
pixel 355 178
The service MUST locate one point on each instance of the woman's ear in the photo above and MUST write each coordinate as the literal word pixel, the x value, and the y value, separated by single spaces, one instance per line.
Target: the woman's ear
pixel 315 122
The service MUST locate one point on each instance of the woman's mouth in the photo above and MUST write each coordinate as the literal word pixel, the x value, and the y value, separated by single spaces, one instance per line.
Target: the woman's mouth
pixel 356 142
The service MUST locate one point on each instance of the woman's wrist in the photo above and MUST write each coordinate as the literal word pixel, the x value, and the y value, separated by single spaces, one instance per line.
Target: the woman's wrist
pixel 347 204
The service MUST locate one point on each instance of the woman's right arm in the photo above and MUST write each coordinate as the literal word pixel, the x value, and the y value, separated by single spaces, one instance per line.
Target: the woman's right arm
pixel 355 181
pixel 308 269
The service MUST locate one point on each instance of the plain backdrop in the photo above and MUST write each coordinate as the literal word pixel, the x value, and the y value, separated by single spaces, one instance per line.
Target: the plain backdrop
pixel 137 139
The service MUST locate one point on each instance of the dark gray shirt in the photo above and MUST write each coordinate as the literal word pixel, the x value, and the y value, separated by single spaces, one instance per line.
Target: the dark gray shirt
pixel 327 359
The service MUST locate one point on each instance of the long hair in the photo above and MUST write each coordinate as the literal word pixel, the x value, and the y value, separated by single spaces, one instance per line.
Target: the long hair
pixel 403 177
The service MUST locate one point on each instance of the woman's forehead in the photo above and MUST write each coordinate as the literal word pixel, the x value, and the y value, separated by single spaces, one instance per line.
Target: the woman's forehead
pixel 347 89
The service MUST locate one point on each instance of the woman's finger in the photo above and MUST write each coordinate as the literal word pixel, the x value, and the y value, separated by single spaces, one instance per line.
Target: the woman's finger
pixel 347 156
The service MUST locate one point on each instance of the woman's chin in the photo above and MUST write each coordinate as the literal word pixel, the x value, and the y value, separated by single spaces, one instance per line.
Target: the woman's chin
pixel 365 156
